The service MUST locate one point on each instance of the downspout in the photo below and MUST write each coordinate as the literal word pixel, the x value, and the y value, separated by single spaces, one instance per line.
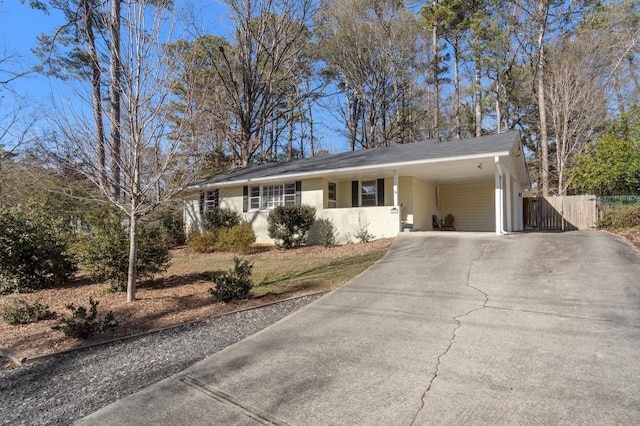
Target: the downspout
pixel 499 198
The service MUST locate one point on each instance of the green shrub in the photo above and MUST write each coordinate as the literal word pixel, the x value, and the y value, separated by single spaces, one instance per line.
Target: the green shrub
pixel 22 312
pixel 220 218
pixel 289 225
pixel 85 323
pixel 237 239
pixel 171 224
pixel 33 249
pixel 626 217
pixel 233 284
pixel 104 251
pixel 202 243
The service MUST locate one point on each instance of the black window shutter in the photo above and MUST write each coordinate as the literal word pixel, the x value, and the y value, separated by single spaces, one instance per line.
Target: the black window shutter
pixel 201 202
pixel 298 193
pixel 381 192
pixel 354 193
pixel 245 198
pixel 217 198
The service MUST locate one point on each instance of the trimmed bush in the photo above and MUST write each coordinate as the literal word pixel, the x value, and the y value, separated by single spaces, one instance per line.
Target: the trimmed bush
pixel 84 322
pixel 289 225
pixel 626 217
pixel 233 284
pixel 220 218
pixel 202 243
pixel 237 239
pixel 104 251
pixel 22 312
pixel 33 250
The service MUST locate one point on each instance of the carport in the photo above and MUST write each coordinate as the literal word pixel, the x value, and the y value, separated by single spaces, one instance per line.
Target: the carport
pixel 482 190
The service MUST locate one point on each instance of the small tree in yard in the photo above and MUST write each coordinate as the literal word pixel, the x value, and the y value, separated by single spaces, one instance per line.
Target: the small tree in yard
pixel 84 322
pixel 103 251
pixel 289 225
pixel 142 169
pixel 233 284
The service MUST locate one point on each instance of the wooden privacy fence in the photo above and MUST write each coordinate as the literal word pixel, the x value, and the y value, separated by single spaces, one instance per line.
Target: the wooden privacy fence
pixel 560 213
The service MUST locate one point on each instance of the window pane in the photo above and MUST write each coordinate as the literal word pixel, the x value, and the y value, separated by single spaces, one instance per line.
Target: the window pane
pixel 369 193
pixel 332 195
pixel 272 196
pixel 211 200
pixel 255 198
pixel 290 194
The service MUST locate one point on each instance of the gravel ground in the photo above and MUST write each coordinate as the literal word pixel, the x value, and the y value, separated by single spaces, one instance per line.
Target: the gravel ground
pixel 70 386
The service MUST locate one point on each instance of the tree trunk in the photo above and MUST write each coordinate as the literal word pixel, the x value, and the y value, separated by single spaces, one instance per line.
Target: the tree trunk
pixel 456 82
pixel 542 111
pixel 633 71
pixel 618 92
pixel 114 94
pixel 96 95
pixel 312 147
pixel 436 84
pixel 290 135
pixel 498 117
pixel 132 274
pixel 478 99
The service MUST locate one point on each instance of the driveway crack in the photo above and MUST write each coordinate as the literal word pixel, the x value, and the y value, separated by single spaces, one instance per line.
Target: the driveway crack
pixel 458 321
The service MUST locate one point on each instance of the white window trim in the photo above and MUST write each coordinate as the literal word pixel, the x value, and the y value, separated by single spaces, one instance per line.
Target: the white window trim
pixel 332 203
pixel 211 200
pixel 285 198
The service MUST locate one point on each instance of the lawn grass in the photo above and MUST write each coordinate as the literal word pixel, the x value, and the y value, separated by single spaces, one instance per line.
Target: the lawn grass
pixel 310 274
pixel 283 275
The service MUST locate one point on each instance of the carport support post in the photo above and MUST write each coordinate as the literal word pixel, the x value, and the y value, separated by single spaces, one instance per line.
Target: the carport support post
pixel 509 197
pixel 395 188
pixel 498 196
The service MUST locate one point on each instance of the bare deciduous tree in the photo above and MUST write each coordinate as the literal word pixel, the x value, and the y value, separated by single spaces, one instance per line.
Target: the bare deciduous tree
pixel 576 103
pixel 372 52
pixel 147 157
pixel 256 72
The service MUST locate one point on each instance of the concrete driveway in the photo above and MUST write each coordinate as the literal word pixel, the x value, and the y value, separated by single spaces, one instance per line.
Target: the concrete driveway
pixel 447 328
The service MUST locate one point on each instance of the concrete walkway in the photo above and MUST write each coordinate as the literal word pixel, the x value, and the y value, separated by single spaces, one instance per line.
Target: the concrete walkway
pixel 447 328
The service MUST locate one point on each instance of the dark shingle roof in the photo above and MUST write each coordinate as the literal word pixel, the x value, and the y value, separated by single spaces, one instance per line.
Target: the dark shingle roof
pixel 423 151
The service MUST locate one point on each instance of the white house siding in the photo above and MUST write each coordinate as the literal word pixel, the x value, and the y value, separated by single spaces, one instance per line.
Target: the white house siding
pixel 313 192
pixel 424 196
pixel 191 214
pixel 231 198
pixel 518 223
pixel 378 221
pixel 344 194
pixel 473 206
pixel 258 221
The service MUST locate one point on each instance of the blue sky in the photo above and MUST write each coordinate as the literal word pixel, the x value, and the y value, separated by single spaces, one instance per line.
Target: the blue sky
pixel 20 26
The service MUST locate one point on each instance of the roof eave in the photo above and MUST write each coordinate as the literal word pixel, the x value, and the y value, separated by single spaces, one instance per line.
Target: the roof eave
pixel 320 173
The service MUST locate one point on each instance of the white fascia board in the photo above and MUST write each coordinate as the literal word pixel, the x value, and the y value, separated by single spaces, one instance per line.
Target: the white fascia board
pixel 321 173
